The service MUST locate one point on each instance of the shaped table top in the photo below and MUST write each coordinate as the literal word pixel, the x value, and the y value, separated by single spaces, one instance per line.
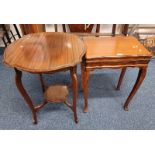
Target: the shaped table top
pixel 114 47
pixel 44 52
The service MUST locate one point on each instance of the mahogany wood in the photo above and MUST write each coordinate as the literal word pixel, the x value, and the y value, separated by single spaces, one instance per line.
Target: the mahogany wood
pixel 42 82
pixel 114 52
pixel 25 94
pixel 82 74
pixel 45 53
pixel 75 91
pixel 56 93
pixel 114 47
pixel 85 88
pixel 140 78
pixel 33 28
pixel 121 78
pixel 80 30
pixel 40 106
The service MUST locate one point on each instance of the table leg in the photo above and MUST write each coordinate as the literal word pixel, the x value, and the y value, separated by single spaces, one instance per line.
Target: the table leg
pixel 24 94
pixel 121 78
pixel 42 83
pixel 140 78
pixel 75 91
pixel 85 89
pixel 82 76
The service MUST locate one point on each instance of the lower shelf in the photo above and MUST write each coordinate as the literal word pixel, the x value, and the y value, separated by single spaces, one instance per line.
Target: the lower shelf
pixel 56 93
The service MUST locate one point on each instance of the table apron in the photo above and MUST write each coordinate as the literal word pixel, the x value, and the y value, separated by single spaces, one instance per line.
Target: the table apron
pixel 47 72
pixel 116 64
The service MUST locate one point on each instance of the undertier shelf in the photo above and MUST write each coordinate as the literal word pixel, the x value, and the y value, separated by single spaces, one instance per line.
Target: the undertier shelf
pixel 56 93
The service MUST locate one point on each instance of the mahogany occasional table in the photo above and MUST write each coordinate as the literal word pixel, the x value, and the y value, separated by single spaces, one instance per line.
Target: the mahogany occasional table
pixel 114 52
pixel 46 52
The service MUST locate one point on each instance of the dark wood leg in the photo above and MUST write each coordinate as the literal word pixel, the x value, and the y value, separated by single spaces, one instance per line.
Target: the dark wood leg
pixel 25 95
pixel 75 91
pixel 56 27
pixel 42 83
pixel 82 76
pixel 40 106
pixel 121 78
pixel 85 89
pixel 140 78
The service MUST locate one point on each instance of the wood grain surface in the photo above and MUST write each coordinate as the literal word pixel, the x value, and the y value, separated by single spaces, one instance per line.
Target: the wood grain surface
pixel 114 52
pixel 119 46
pixel 45 52
pixel 56 93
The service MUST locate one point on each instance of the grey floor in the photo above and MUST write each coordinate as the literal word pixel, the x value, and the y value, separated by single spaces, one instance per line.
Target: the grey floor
pixel 105 103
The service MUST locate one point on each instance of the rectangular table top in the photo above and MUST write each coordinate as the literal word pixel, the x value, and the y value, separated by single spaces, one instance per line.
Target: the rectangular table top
pixel 115 47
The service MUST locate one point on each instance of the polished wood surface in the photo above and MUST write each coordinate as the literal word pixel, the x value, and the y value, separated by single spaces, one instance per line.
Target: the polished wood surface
pixel 44 52
pixel 73 73
pixel 114 52
pixel 119 46
pixel 121 78
pixel 28 101
pixel 52 94
pixel 33 28
pixel 140 78
pixel 56 93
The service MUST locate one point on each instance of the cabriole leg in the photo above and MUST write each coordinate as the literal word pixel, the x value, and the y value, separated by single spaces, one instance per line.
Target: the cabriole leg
pixel 121 78
pixel 24 94
pixel 82 75
pixel 42 82
pixel 140 78
pixel 85 89
pixel 75 91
